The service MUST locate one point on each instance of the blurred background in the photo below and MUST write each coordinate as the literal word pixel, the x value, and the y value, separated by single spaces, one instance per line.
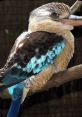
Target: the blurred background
pixel 64 101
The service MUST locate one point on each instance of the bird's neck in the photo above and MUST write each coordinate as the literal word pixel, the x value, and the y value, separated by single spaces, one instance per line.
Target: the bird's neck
pixel 53 27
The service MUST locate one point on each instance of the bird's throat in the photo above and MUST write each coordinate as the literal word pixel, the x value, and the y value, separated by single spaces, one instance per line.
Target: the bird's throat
pixel 49 26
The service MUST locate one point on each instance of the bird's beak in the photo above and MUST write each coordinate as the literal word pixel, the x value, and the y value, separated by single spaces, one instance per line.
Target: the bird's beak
pixel 72 20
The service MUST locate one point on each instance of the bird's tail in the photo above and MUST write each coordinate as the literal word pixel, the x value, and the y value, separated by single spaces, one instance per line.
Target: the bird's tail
pixel 14 108
pixel 16 101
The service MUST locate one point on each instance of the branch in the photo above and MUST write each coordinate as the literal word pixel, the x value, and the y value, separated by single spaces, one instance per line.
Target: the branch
pixel 68 75
pixel 76 6
pixel 46 81
pixel 42 83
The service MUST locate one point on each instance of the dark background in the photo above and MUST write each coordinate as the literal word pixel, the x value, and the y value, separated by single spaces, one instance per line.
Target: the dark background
pixel 64 101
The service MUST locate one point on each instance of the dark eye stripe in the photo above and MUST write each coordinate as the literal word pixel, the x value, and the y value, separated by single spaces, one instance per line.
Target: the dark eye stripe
pixel 54 14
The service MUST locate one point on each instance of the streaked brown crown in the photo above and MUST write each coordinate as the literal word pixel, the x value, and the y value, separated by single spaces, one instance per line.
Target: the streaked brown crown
pixel 55 8
pixel 58 7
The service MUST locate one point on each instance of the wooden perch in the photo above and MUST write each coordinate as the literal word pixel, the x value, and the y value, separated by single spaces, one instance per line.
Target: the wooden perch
pixel 76 6
pixel 73 73
pixel 57 79
pixel 68 75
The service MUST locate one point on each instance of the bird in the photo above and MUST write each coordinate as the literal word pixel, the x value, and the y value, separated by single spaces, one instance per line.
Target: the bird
pixel 48 42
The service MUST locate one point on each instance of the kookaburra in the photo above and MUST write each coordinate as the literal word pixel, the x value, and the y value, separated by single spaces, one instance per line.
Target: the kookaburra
pixel 48 43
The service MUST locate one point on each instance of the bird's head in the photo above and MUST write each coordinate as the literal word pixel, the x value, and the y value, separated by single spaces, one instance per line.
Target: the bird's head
pixel 53 16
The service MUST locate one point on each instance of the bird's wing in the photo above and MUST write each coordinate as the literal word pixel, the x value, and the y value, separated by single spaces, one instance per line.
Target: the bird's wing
pixel 30 56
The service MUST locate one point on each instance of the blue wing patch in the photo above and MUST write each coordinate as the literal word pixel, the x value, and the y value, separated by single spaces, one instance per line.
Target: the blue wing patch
pixel 37 65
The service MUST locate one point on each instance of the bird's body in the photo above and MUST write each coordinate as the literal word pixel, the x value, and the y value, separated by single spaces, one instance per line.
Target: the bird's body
pixel 48 44
pixel 68 51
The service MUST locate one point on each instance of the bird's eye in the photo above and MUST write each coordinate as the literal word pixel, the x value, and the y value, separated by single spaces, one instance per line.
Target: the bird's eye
pixel 54 15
